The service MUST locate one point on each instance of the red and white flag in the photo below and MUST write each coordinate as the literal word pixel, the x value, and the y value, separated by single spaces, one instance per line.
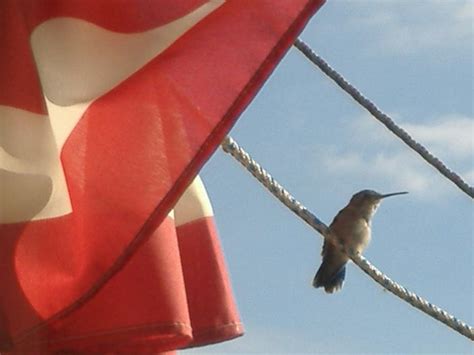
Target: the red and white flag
pixel 108 109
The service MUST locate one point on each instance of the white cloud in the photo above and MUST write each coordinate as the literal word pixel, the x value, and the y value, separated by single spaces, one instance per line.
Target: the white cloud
pixel 469 175
pixel 406 27
pixel 393 170
pixel 449 135
pixel 380 159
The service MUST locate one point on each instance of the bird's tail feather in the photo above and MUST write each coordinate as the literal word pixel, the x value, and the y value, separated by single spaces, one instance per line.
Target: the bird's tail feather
pixel 331 282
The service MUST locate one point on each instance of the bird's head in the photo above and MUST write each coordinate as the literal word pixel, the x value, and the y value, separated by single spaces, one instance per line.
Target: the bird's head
pixel 367 201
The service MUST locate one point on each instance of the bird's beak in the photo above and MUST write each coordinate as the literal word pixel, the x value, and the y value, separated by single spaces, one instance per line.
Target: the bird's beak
pixel 393 194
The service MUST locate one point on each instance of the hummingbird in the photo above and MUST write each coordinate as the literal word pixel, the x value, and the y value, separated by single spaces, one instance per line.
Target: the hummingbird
pixel 351 228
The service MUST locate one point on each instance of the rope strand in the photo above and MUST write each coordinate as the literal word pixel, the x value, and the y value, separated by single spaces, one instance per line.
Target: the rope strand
pixel 383 118
pixel 232 148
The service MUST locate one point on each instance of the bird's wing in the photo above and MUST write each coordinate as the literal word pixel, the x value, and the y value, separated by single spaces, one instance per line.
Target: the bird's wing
pixel 344 224
pixel 331 273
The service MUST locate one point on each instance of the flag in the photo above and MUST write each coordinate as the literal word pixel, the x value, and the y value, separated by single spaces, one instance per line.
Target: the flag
pixel 108 109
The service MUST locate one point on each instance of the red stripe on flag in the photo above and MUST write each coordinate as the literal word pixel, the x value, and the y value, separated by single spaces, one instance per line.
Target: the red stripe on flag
pixel 123 16
pixel 19 84
pixel 164 297
pixel 212 311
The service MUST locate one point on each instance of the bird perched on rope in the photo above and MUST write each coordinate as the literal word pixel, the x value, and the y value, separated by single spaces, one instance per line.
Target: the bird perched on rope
pixel 350 227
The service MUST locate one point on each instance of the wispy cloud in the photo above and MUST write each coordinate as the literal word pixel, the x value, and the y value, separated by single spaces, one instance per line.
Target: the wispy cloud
pixel 452 135
pixel 469 176
pixel 405 27
pixel 379 159
pixel 393 169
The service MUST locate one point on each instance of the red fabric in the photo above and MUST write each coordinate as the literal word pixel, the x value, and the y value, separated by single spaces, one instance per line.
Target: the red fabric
pixel 206 283
pixel 149 288
pixel 115 275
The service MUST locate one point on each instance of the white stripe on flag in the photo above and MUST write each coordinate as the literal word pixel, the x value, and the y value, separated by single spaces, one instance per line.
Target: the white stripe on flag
pixel 193 204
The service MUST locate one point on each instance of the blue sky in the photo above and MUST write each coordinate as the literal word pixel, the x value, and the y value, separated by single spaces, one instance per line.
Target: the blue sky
pixel 415 60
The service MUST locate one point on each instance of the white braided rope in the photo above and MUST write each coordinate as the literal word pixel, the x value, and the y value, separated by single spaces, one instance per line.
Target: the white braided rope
pixel 383 118
pixel 232 148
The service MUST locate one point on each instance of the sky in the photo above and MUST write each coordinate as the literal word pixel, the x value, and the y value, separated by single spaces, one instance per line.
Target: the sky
pixel 414 59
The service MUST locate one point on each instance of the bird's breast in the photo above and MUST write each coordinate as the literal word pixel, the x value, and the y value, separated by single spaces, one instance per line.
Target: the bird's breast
pixel 351 228
pixel 360 235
